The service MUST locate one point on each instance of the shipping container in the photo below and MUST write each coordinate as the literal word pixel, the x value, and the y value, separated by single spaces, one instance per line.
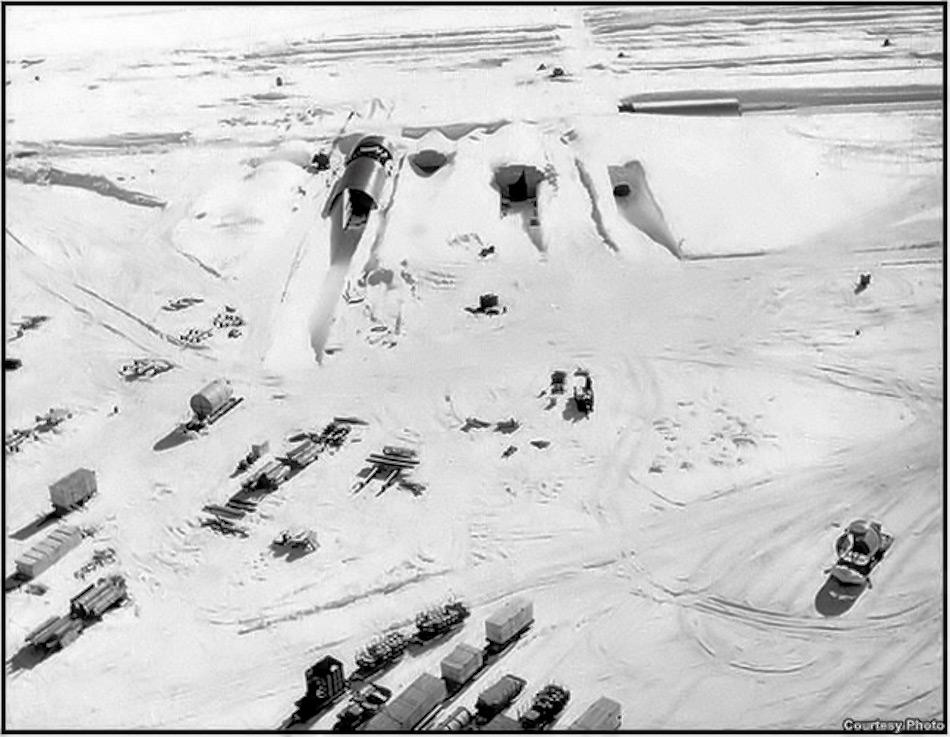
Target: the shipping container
pixel 72 490
pixel 211 398
pixel 508 621
pixel 460 664
pixel 604 715
pixel 46 552
pixel 411 706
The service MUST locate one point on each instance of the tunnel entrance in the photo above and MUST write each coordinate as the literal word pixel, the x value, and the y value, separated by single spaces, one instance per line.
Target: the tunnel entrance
pixel 428 162
pixel 517 186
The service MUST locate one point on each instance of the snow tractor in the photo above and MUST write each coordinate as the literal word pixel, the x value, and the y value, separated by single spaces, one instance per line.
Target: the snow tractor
pixel 548 703
pixel 583 392
pixel 860 548
pixel 364 704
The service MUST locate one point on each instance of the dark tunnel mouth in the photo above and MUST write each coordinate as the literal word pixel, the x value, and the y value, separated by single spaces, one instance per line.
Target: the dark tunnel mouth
pixel 428 162
pixel 622 189
pixel 518 183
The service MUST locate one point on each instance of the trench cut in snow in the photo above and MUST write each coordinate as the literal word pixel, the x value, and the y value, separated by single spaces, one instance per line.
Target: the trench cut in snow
pixel 638 206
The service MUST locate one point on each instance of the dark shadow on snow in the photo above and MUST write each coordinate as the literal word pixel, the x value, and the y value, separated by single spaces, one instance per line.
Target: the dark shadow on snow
pixel 178 436
pixel 36 525
pixel 835 598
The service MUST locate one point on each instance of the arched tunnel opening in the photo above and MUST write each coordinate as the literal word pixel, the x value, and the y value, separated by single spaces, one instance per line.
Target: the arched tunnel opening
pixel 517 185
pixel 427 162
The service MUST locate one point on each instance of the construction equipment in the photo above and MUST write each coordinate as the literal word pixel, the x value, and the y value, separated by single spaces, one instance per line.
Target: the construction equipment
pixel 297 538
pixel 145 368
pixel 860 548
pixel 548 703
pixel 557 381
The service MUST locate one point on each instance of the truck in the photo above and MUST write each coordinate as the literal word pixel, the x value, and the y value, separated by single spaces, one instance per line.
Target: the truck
pixel 498 697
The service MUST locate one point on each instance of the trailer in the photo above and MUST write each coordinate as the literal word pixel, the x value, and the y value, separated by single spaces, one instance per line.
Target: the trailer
pixel 49 550
pixel 211 403
pixel 460 665
pixel 73 490
pixel 55 633
pixel 604 715
pixel 411 707
pixel 96 599
pixel 509 622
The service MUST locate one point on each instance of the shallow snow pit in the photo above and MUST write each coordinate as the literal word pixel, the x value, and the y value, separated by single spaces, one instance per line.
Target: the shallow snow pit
pixel 428 161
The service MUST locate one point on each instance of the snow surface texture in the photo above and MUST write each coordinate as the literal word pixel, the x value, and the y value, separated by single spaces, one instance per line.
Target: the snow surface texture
pixel 746 408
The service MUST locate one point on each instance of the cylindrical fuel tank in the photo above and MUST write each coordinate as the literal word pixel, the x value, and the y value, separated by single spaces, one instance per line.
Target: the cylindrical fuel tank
pixel 211 397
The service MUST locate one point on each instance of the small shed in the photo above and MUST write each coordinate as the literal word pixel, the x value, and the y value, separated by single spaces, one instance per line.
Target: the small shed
pixel 72 490
pixel 49 550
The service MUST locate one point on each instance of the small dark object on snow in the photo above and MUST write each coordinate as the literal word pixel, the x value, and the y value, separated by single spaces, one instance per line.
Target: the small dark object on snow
pixel 621 55
pixel 234 333
pixel 557 381
pixel 557 72
pixel 507 426
pixel 510 451
pixel 280 82
pixel 583 392
pixel 622 190
pixel 863 283
pixel 542 67
pixel 11 364
pixel 320 161
pixel 487 305
pixel 540 443
pixel 487 251
pixel 857 331
pixel 887 42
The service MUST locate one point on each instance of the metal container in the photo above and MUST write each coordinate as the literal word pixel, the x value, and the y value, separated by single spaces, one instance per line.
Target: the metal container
pixel 72 490
pixel 509 620
pixel 211 398
pixel 604 715
pixel 461 663
pixel 457 721
pixel 55 632
pixel 411 706
pixel 49 550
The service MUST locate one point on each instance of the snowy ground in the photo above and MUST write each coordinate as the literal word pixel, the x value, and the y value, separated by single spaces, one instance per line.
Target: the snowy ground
pixel 749 403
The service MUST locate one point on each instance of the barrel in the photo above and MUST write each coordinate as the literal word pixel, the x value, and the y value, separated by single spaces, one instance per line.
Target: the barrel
pixel 211 398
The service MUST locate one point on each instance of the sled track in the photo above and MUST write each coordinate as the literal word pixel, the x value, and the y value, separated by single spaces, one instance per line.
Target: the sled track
pixel 918 613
